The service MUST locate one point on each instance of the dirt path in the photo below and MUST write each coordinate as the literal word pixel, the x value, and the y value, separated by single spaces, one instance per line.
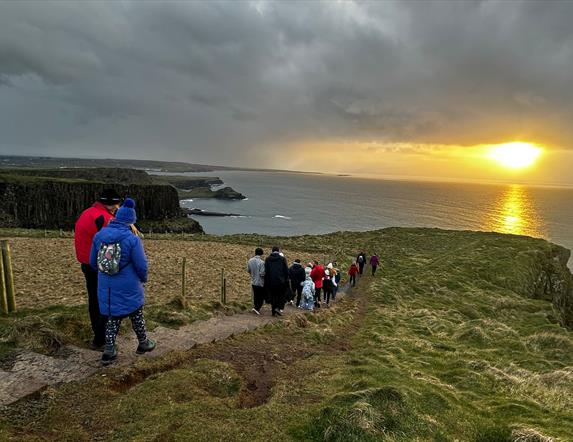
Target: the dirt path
pixel 29 372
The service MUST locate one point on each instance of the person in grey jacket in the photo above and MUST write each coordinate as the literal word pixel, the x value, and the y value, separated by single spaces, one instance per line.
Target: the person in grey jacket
pixel 256 268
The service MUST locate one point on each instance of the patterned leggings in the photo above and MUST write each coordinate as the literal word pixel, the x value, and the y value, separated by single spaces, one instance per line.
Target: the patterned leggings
pixel 114 322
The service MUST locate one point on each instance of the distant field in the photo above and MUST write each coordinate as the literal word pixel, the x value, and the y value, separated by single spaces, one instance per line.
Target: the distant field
pixel 47 274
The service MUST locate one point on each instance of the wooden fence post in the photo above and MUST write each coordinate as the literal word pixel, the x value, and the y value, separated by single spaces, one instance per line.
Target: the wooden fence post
pixel 183 276
pixel 8 275
pixel 224 290
pixel 222 285
pixel 3 298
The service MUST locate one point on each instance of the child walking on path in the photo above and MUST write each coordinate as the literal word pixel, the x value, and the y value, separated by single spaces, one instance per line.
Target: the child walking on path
pixel 334 277
pixel 307 299
pixel 119 256
pixel 327 287
pixel 352 272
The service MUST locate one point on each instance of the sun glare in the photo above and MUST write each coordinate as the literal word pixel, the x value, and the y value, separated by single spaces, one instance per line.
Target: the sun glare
pixel 516 155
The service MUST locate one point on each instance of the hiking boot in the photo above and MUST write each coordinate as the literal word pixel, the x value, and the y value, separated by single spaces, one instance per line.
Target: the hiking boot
pixel 277 313
pixel 145 347
pixel 109 355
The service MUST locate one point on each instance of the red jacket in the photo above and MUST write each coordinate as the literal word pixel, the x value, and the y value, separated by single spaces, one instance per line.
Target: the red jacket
pixel 353 270
pixel 90 222
pixel 317 274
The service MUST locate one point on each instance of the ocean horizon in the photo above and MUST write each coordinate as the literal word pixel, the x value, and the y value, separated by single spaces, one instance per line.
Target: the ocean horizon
pixel 285 203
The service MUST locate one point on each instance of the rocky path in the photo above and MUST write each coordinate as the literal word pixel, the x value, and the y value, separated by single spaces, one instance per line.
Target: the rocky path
pixel 28 372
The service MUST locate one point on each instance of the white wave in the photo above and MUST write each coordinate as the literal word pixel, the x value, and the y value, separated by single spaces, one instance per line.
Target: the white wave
pixel 187 201
pixel 282 217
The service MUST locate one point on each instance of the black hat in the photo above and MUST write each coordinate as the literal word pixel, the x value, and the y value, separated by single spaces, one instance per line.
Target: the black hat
pixel 109 197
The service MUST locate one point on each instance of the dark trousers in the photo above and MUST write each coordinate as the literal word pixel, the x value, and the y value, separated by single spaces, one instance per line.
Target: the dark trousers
pixel 327 295
pixel 317 292
pixel 374 270
pixel 258 297
pixel 296 288
pixel 361 268
pixel 98 320
pixel 334 292
pixel 352 280
pixel 277 297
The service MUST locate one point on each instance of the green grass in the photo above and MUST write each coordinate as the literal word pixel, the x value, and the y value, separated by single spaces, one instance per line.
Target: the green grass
pixel 454 339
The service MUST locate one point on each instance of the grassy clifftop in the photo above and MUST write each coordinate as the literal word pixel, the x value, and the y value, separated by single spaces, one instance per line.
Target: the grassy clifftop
pixel 459 337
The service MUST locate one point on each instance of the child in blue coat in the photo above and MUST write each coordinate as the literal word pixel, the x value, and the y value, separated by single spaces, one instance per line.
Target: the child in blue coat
pixel 119 256
pixel 308 292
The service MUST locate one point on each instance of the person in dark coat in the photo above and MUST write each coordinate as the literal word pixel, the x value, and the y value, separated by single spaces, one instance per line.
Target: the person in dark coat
pixel 361 261
pixel 296 275
pixel 121 294
pixel 91 221
pixel 276 280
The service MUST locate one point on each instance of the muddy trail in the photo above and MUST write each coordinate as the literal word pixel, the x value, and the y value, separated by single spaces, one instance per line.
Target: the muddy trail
pixel 29 372
pixel 260 359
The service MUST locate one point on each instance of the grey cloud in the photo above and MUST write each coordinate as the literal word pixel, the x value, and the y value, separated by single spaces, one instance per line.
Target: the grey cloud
pixel 220 81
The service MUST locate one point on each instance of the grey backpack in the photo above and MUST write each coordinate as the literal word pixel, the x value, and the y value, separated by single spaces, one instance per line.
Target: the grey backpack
pixel 108 257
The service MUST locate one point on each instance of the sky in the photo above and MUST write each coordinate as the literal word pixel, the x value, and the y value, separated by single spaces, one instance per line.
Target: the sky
pixel 381 88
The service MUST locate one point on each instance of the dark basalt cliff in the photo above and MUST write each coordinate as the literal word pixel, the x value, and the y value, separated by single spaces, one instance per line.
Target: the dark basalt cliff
pixel 55 203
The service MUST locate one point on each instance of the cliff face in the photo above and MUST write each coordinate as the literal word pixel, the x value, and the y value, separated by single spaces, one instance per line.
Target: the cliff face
pixel 51 203
pixel 542 273
pixel 554 282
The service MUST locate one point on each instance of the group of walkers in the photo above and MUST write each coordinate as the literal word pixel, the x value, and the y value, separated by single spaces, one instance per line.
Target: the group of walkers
pixel 275 283
pixel 113 261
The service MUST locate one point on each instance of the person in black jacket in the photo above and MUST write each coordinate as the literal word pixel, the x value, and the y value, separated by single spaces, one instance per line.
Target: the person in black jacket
pixel 276 280
pixel 361 261
pixel 296 275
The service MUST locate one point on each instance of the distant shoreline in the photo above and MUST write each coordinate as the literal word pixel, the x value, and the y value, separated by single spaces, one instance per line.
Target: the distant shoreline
pixel 175 167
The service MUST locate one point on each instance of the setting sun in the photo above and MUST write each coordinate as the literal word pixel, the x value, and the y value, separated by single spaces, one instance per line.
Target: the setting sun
pixel 515 155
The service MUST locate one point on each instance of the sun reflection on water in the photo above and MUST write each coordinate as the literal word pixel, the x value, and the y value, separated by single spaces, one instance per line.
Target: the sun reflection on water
pixel 514 212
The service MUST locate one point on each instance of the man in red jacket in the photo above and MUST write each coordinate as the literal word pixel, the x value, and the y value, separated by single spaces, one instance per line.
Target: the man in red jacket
pixel 90 222
pixel 317 275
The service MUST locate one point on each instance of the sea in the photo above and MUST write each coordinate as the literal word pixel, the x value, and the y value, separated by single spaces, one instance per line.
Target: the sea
pixel 301 203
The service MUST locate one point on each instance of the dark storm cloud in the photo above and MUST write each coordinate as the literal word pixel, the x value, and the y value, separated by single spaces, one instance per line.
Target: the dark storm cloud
pixel 221 82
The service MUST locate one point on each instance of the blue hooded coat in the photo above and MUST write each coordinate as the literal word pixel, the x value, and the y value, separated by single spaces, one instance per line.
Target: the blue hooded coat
pixel 122 293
